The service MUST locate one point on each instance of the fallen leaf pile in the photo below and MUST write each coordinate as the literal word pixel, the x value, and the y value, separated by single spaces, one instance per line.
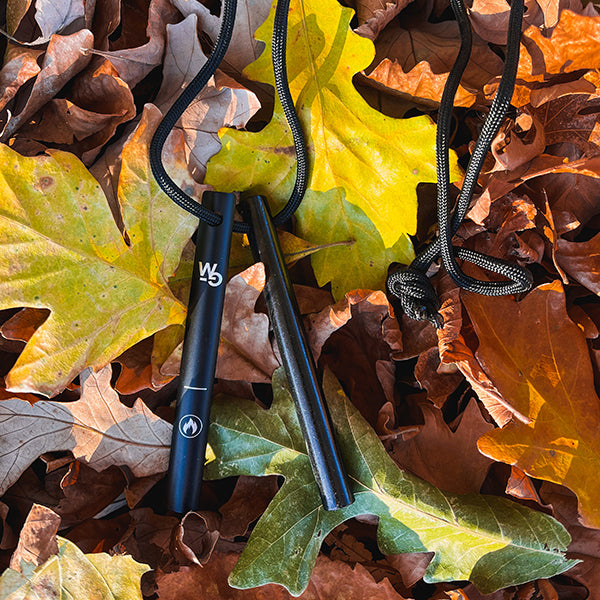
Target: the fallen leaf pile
pixel 472 451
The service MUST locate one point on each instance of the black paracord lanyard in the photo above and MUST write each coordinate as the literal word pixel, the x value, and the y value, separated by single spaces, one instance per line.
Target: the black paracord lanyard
pixel 201 340
pixel 410 284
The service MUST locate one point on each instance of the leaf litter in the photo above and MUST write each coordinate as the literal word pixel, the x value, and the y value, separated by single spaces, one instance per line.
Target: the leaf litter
pixel 506 382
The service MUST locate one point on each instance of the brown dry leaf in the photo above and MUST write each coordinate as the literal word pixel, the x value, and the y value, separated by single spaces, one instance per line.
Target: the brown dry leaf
pixel 551 234
pixel 446 455
pixel 572 119
pixel 99 103
pixel 439 379
pixel 554 89
pixel 352 351
pixel 8 539
pixel 107 17
pixel 333 580
pixel 510 151
pixel 541 589
pixel 64 58
pixel 570 186
pixel 133 64
pixel 86 492
pixel 238 513
pixel 98 429
pixel 37 540
pixel 245 351
pixel 567 124
pixel 53 17
pixel 420 83
pixel 411 565
pixel 490 17
pixel 521 486
pixel 243 48
pixel 581 261
pixel 454 350
pixel 149 537
pixel 408 338
pixel 15 12
pixel 22 325
pixel 47 17
pixel 585 544
pixel 221 103
pixel 429 49
pixel 538 358
pixel 193 539
pixel 136 368
pixel 20 65
pixel 99 535
pixel 571 192
pixel 374 15
pixel 321 325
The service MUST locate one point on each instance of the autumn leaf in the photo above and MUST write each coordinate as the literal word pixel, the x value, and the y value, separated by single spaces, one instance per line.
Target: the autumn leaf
pixel 133 64
pixel 51 16
pixel 446 457
pixel 64 58
pixel 80 121
pixel 581 260
pixel 573 45
pixel 546 374
pixel 244 48
pixel 221 103
pixel 362 186
pixel 71 573
pixel 416 61
pixel 374 15
pixel 73 255
pixel 474 537
pixel 98 429
pixel 330 579
pixel 245 350
pixel 20 65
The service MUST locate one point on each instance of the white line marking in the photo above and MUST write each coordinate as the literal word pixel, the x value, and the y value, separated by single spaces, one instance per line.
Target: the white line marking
pixel 191 387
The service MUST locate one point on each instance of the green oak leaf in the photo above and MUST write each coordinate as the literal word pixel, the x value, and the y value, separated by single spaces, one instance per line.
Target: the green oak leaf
pixel 61 249
pixel 73 574
pixel 364 166
pixel 490 541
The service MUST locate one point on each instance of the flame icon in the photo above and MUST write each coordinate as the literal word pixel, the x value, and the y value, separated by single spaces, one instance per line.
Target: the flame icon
pixel 190 426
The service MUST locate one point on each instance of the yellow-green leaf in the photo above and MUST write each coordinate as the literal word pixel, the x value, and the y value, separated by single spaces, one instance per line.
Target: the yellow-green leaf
pixel 73 574
pixel 364 166
pixel 489 540
pixel 61 249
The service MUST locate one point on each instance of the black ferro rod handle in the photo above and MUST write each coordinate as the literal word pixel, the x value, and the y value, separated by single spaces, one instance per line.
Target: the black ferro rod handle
pixel 297 358
pixel 199 355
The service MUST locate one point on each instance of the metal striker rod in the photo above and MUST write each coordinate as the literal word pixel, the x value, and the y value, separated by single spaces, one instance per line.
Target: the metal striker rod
pixel 297 359
pixel 199 357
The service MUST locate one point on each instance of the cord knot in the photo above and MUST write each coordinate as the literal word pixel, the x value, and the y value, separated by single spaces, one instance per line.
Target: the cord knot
pixel 417 296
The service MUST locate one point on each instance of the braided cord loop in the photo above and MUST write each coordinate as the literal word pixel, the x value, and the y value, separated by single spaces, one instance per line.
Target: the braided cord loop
pixel 426 305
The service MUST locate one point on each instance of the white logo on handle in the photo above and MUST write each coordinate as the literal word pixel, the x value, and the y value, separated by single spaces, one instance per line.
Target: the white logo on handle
pixel 190 426
pixel 210 274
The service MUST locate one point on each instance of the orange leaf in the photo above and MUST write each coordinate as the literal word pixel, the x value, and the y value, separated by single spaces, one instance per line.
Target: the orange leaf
pixel 538 358
pixel 573 45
